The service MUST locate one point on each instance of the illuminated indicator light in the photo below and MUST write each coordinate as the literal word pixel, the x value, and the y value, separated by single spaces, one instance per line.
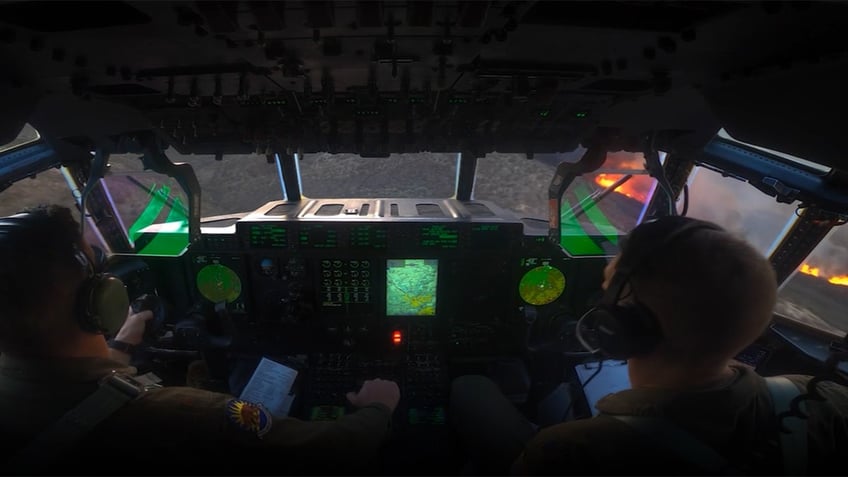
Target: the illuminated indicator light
pixel 581 114
pixel 397 337
pixel 545 113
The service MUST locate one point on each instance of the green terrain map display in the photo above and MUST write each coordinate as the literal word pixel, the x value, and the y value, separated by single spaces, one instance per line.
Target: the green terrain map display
pixel 411 287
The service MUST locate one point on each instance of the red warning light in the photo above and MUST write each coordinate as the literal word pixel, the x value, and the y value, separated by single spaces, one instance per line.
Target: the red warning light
pixel 397 337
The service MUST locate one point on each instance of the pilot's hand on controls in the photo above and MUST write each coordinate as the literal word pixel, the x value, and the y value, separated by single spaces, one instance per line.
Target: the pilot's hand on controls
pixel 132 332
pixel 376 390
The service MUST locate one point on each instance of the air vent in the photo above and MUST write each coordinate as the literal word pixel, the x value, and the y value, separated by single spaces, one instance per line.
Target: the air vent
pixel 330 209
pixel 51 17
pixel 363 211
pixel 393 210
pixel 479 210
pixel 429 210
pixel 282 209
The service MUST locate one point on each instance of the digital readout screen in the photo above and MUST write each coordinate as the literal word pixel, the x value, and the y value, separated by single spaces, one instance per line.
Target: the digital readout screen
pixel 268 236
pixel 317 236
pixel 411 287
pixel 439 236
pixel 368 236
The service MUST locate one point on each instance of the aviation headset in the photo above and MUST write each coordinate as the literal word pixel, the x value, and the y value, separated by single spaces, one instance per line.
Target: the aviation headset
pixel 102 301
pixel 631 329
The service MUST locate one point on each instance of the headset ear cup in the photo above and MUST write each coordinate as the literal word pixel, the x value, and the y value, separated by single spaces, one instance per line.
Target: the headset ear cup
pixel 627 331
pixel 106 304
pixel 612 340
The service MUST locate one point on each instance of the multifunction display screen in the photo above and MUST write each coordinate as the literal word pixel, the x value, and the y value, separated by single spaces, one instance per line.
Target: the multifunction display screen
pixel 411 287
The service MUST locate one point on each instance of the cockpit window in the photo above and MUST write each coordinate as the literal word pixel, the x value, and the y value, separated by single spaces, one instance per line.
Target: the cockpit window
pixel 151 209
pixel 738 207
pixel 519 184
pixel 399 175
pixel 27 135
pixel 48 187
pixel 600 208
pixel 236 183
pixel 817 294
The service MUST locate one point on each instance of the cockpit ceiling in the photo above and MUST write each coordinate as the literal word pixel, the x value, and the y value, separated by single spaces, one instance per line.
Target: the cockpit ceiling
pixel 380 77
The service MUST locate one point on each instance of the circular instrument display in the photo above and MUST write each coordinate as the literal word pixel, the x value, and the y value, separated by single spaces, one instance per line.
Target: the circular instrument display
pixel 218 283
pixel 541 285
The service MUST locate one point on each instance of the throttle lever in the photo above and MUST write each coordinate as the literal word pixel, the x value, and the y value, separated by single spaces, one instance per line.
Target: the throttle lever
pixel 151 302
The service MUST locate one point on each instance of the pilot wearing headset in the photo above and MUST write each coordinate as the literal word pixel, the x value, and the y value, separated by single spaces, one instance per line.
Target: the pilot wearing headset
pixel 680 301
pixel 67 402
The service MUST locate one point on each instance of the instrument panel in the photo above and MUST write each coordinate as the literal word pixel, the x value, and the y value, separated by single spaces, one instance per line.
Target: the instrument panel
pixel 473 281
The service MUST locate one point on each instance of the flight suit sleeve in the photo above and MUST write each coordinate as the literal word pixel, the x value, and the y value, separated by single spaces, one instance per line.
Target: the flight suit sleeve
pixel 582 447
pixel 546 453
pixel 180 418
pixel 354 439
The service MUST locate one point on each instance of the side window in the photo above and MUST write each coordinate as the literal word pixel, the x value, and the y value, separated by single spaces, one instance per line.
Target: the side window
pixel 519 184
pixel 601 207
pixel 236 183
pixel 817 294
pixel 26 135
pixel 152 208
pixel 46 188
pixel 738 207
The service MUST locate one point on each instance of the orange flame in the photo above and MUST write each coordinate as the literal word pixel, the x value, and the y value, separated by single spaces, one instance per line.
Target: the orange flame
pixel 806 268
pixel 635 188
pixel 816 272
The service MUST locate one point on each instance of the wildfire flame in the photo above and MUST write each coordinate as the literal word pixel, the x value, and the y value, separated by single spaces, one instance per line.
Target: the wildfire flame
pixel 635 187
pixel 638 186
pixel 806 268
pixel 816 272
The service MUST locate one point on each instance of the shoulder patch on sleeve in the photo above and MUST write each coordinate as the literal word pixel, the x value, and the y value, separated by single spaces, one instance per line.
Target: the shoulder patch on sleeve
pixel 249 416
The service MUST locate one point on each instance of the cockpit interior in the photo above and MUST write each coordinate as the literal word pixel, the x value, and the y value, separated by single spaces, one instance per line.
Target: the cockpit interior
pixel 417 190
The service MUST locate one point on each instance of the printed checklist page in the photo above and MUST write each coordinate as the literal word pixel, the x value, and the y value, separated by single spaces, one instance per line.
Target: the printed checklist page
pixel 270 386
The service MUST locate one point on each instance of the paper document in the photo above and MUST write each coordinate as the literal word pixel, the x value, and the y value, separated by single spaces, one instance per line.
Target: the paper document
pixel 270 386
pixel 612 379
